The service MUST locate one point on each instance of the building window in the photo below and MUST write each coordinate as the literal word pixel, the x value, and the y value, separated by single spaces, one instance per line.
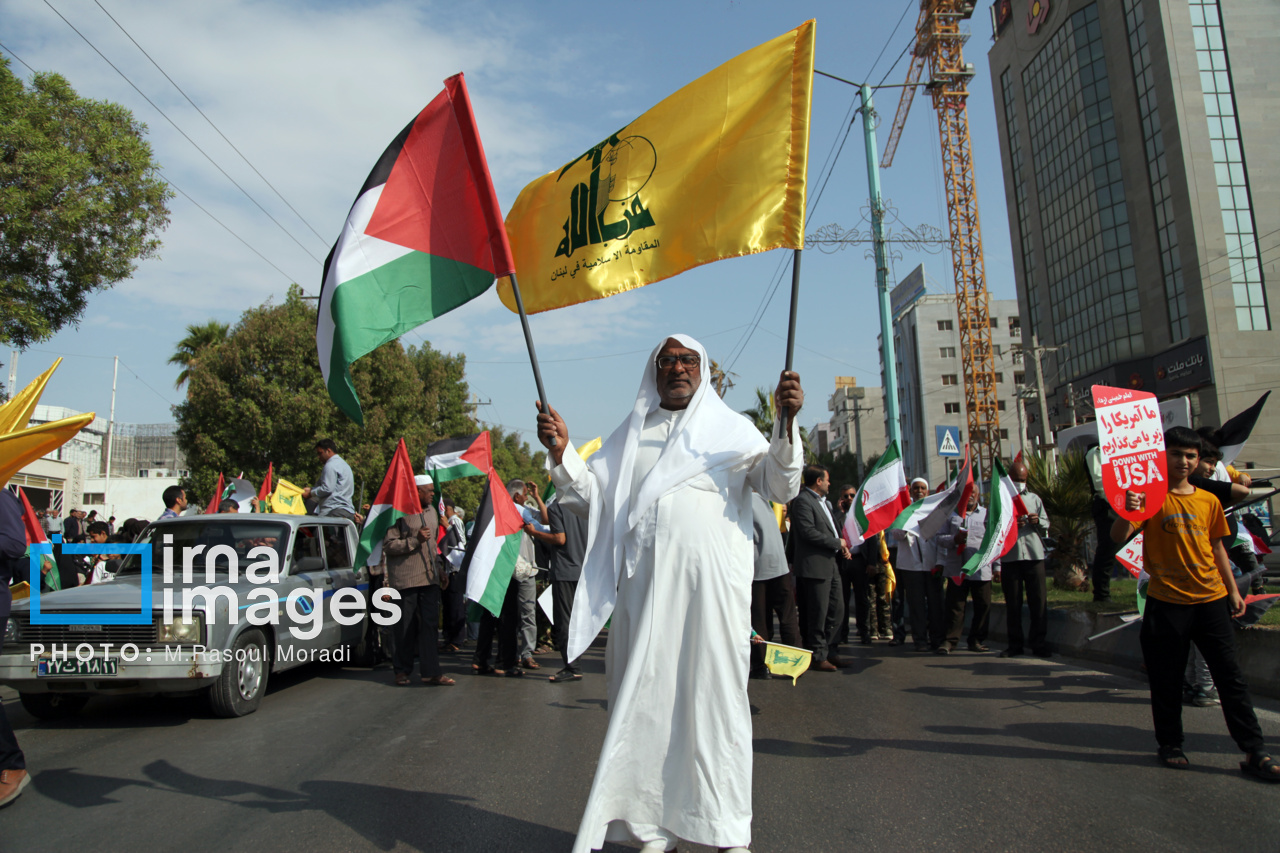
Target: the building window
pixel 1004 435
pixel 947 352
pixel 945 325
pixel 999 378
pixel 951 408
pixel 996 351
pixel 94 498
pixel 1228 163
pixel 950 379
pixel 1015 327
pixel 994 322
pixel 1019 378
pixel 1090 281
pixel 1000 405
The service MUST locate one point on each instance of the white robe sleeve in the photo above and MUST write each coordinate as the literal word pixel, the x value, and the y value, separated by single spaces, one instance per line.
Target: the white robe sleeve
pixel 777 475
pixel 575 482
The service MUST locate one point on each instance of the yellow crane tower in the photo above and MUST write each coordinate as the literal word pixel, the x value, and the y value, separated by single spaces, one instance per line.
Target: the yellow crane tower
pixel 939 46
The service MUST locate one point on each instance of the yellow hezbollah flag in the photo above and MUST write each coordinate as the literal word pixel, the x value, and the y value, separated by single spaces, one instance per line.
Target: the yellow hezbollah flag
pixel 715 171
pixel 15 414
pixel 787 660
pixel 287 499
pixel 26 445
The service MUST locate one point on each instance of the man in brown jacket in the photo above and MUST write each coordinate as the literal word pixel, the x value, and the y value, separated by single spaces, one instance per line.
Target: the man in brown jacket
pixel 414 567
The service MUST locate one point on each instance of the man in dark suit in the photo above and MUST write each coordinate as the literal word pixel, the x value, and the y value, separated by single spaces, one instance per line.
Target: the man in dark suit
pixel 853 575
pixel 817 548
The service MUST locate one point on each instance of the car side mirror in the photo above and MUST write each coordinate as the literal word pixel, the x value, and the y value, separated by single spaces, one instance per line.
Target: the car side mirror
pixel 307 564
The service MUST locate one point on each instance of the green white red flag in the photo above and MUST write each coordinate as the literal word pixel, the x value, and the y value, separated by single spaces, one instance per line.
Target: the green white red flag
pixel 926 516
pixel 493 547
pixel 1004 505
pixel 424 236
pixel 397 497
pixel 455 458
pixel 882 496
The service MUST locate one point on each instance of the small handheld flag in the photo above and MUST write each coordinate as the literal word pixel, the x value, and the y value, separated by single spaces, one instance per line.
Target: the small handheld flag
pixel 787 660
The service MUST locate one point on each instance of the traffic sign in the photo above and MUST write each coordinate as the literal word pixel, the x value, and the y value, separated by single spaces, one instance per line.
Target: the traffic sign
pixel 948 440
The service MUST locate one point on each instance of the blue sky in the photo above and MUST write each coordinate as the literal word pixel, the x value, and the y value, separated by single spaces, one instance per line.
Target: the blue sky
pixel 312 93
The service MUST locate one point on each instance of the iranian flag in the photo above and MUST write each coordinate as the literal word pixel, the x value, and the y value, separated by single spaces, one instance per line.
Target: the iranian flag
pixel 455 458
pixel 424 236
pixel 493 547
pixel 1004 505
pixel 882 497
pixel 397 498
pixel 926 516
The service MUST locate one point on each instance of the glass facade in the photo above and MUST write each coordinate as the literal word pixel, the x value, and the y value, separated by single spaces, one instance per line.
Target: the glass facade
pixel 1075 159
pixel 1228 161
pixel 1026 244
pixel 1157 170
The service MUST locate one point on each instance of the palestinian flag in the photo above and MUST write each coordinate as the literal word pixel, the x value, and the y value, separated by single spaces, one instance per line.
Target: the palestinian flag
pixel 1004 505
pixel 1252 534
pixel 397 498
pixel 424 236
pixel 882 497
pixel 926 516
pixel 493 547
pixel 455 458
pixel 1235 431
pixel 264 493
pixel 212 507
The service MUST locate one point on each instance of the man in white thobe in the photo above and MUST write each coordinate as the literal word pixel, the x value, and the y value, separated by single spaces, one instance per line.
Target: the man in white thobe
pixel 670 558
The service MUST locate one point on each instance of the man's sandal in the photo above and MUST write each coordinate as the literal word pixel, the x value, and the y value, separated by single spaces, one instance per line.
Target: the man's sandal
pixel 402 680
pixel 1262 766
pixel 1173 756
pixel 439 681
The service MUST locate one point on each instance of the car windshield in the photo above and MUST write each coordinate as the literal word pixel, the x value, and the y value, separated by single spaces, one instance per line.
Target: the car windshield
pixel 241 534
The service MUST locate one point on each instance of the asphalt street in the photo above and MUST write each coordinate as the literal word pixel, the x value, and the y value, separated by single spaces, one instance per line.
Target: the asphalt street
pixel 900 752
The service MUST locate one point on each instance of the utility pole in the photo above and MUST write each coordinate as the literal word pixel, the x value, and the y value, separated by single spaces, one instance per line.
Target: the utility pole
pixel 13 371
pixel 1036 351
pixel 1071 402
pixel 111 428
pixel 882 271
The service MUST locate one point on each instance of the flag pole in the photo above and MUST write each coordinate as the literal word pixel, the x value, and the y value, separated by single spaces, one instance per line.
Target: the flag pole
pixel 533 355
pixel 791 325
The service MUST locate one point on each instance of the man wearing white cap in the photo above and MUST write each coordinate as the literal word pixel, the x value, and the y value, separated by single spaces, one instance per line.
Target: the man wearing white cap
pixel 670 558
pixel 921 585
pixel 415 569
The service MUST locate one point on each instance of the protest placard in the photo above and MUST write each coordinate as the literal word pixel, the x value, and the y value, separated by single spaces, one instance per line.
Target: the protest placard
pixel 1131 446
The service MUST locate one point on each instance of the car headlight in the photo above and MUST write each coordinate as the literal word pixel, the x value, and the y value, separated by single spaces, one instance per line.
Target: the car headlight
pixel 11 632
pixel 182 630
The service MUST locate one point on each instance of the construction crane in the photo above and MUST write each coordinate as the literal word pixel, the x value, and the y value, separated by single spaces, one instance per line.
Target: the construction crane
pixel 939 47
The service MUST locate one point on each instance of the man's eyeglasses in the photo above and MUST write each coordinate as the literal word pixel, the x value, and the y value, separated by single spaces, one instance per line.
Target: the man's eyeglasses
pixel 666 362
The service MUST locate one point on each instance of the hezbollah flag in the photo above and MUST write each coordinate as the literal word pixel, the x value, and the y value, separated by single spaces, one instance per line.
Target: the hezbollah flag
pixel 882 497
pixel 455 458
pixel 397 498
pixel 493 547
pixel 787 660
pixel 715 171
pixel 287 499
pixel 1004 505
pixel 424 236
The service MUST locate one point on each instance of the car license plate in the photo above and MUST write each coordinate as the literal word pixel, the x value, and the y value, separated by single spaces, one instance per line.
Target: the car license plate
pixel 93 666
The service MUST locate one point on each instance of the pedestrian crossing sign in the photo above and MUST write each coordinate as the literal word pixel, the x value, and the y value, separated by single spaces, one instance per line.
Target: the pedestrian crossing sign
pixel 948 440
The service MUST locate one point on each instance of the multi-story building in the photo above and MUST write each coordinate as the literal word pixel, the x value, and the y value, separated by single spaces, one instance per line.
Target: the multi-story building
pixel 931 380
pixel 1135 136
pixel 857 419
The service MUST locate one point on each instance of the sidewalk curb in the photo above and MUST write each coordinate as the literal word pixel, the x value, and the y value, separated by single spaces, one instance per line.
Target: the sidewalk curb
pixel 1069 632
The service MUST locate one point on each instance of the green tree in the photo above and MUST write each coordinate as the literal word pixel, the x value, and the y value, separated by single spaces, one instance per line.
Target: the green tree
pixel 81 201
pixel 843 467
pixel 199 337
pixel 259 397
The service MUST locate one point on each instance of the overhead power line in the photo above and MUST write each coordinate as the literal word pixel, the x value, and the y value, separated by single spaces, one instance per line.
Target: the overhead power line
pixel 214 163
pixel 211 124
pixel 15 56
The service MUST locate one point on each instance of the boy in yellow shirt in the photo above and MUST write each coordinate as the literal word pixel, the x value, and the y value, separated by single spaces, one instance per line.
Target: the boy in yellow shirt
pixel 1191 597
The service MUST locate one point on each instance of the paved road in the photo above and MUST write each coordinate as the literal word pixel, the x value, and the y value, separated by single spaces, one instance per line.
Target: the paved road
pixel 902 752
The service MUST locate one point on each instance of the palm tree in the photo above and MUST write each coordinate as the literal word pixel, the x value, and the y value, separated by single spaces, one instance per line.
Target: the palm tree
pixel 721 379
pixel 1066 492
pixel 198 338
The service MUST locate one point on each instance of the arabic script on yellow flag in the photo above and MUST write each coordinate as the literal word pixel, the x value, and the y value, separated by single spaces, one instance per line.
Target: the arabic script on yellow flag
pixel 787 660
pixel 715 171
pixel 287 499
